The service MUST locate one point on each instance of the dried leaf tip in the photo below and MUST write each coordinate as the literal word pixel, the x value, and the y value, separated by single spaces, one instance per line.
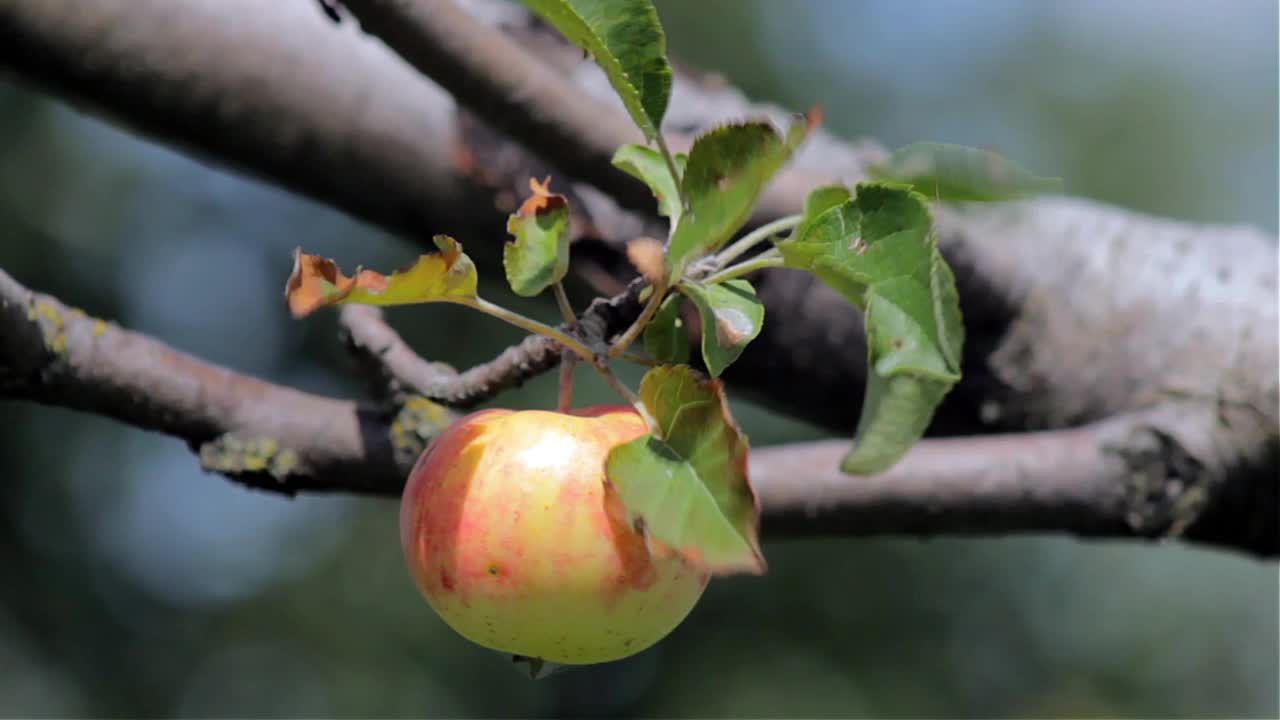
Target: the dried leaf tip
pixel 541 200
pixel 313 281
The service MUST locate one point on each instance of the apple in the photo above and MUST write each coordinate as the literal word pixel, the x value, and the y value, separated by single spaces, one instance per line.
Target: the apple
pixel 510 535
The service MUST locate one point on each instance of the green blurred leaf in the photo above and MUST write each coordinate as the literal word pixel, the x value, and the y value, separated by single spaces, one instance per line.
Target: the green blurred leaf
pixel 688 489
pixel 879 251
pixel 732 316
pixel 961 174
pixel 626 40
pixel 316 281
pixel 539 255
pixel 648 166
pixel 727 169
pixel 822 199
pixel 665 337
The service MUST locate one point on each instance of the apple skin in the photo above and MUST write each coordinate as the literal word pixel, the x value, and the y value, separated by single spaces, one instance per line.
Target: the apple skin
pixel 509 534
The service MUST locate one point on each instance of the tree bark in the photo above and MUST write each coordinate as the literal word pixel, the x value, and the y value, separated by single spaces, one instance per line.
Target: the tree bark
pixel 1079 315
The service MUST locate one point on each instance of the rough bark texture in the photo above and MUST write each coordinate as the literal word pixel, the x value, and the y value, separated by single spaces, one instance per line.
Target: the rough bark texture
pixel 1155 340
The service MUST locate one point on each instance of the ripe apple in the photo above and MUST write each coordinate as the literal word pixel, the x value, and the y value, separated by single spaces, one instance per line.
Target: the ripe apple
pixel 510 535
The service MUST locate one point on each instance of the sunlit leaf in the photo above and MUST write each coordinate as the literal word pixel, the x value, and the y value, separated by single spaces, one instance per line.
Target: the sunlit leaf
pixel 539 255
pixel 732 316
pixel 647 165
pixel 728 168
pixel 316 281
pixel 961 174
pixel 665 337
pixel 879 251
pixel 688 489
pixel 626 40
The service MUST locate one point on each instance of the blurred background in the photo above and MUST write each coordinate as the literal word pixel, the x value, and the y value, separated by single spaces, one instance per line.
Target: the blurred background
pixel 132 584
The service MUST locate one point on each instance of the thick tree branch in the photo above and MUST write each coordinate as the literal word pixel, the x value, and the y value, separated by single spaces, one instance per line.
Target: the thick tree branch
pixel 1081 481
pixel 510 87
pixel 1076 311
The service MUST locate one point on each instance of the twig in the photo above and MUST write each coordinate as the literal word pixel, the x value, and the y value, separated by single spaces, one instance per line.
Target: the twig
pixel 562 301
pixel 769 258
pixel 637 326
pixel 385 354
pixel 755 237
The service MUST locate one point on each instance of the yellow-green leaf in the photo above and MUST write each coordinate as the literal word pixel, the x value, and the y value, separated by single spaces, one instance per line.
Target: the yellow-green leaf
pixel 446 276
pixel 539 255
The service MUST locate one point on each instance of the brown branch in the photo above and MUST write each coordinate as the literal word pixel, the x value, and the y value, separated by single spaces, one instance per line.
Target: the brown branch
pixel 265 435
pixel 1076 311
pixel 1088 481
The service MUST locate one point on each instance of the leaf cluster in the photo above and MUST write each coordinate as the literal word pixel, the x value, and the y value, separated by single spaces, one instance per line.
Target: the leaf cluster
pixel 685 483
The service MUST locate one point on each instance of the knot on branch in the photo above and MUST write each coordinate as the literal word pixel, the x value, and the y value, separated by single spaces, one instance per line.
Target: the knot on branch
pixel 1167 488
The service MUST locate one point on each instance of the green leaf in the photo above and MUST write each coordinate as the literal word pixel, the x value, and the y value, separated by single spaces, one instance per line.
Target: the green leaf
pixel 822 199
pixel 665 337
pixel 879 251
pixel 539 255
pixel 882 233
pixel 316 281
pixel 727 169
pixel 961 174
pixel 895 413
pixel 732 316
pixel 648 166
pixel 688 487
pixel 626 40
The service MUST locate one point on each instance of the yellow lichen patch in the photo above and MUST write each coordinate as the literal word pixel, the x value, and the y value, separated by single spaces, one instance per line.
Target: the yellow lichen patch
pixel 46 314
pixel 418 421
pixel 232 454
pixel 99 327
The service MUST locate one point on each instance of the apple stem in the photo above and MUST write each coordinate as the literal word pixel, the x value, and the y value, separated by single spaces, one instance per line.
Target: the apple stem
pixel 568 363
pixel 602 366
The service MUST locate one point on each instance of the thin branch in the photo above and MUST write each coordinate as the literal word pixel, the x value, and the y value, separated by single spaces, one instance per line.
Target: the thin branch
pixel 384 354
pixel 281 439
pixel 265 435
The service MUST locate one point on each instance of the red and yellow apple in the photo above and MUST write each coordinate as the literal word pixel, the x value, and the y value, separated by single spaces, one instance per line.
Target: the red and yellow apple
pixel 510 535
